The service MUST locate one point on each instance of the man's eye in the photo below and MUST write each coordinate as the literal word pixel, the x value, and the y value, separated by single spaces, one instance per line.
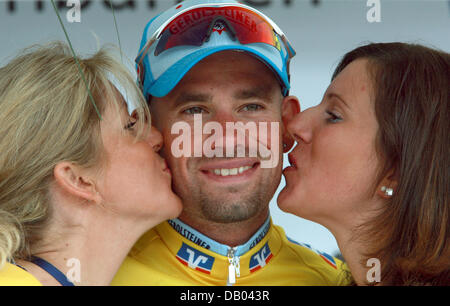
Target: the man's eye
pixel 252 108
pixel 194 110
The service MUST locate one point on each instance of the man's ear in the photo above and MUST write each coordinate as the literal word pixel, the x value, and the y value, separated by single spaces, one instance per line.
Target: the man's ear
pixel 289 108
pixel 76 181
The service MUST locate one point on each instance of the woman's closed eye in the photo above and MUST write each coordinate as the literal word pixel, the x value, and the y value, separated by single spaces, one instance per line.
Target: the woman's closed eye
pixel 333 117
pixel 130 125
pixel 132 120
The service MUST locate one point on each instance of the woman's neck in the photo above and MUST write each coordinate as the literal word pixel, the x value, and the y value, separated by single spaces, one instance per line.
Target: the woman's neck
pixel 354 260
pixel 354 250
pixel 89 254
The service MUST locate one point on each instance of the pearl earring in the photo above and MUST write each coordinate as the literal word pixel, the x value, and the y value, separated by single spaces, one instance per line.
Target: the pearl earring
pixel 387 191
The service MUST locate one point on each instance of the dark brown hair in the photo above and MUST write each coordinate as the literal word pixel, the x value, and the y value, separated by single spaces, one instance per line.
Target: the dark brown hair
pixel 410 236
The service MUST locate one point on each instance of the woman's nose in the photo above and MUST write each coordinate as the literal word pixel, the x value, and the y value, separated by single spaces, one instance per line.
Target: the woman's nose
pixel 156 139
pixel 300 127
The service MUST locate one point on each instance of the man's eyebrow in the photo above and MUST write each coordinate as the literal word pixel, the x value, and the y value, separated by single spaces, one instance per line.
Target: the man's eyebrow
pixel 260 92
pixel 335 95
pixel 186 97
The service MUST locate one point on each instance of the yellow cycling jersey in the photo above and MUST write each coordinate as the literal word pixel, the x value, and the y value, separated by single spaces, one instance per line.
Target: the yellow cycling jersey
pixel 12 275
pixel 173 254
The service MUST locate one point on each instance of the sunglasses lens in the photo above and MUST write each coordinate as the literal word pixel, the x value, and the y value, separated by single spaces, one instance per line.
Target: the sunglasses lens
pixel 253 29
pixel 181 32
pixel 193 27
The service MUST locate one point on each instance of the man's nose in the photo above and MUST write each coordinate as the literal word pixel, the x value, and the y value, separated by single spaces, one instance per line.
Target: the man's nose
pixel 223 117
pixel 239 136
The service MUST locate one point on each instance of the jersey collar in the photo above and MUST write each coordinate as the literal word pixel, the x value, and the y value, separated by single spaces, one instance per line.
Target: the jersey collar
pixel 205 242
pixel 207 258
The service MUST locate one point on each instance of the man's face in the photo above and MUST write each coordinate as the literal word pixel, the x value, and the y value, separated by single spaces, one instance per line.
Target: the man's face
pixel 225 87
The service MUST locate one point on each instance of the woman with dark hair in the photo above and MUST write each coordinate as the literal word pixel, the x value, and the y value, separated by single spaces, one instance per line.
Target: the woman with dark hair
pixel 372 164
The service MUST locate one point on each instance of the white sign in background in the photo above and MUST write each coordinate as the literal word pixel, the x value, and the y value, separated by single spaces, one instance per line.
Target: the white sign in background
pixel 321 31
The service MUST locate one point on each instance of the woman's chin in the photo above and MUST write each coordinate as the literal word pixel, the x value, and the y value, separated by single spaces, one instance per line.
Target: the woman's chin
pixel 177 205
pixel 284 200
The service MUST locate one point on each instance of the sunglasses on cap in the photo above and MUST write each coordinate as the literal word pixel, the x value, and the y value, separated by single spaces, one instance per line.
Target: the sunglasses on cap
pixel 195 25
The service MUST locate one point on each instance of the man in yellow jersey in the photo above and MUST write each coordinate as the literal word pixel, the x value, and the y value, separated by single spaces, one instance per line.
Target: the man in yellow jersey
pixel 206 66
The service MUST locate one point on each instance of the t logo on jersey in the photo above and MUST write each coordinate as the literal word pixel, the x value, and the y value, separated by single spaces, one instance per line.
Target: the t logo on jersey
pixel 260 258
pixel 195 259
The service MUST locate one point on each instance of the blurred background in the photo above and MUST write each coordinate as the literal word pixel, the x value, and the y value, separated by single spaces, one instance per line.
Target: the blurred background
pixel 321 31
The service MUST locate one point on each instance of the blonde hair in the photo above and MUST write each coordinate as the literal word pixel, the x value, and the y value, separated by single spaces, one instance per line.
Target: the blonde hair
pixel 47 116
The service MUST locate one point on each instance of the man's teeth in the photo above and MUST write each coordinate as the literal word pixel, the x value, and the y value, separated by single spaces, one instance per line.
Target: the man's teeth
pixel 233 171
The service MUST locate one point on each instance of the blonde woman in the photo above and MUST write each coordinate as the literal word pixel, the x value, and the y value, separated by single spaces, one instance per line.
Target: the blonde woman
pixel 80 178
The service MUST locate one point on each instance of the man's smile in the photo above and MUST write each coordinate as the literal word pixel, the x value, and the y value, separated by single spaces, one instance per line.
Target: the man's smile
pixel 230 171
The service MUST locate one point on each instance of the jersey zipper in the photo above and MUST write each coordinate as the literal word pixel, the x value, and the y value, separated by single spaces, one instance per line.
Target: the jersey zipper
pixel 234 268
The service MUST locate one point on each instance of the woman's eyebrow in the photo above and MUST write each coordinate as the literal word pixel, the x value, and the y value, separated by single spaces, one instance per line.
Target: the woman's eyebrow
pixel 335 95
